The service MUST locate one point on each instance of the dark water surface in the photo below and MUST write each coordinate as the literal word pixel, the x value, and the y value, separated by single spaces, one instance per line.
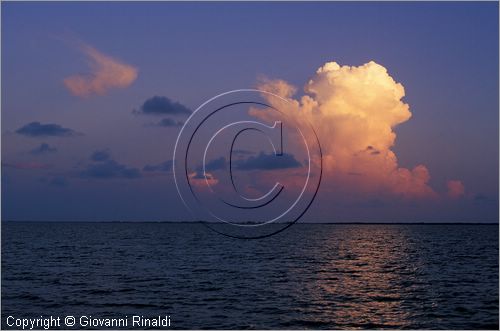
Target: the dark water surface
pixel 310 276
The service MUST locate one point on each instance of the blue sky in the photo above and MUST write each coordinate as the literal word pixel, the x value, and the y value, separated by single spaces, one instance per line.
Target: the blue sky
pixel 445 55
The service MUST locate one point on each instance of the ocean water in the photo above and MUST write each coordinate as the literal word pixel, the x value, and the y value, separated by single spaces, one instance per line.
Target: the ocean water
pixel 319 276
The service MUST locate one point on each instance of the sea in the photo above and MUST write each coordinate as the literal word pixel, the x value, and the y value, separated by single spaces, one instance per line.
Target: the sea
pixel 310 276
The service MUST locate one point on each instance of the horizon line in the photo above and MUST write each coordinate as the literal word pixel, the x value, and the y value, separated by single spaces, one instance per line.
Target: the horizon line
pixel 197 222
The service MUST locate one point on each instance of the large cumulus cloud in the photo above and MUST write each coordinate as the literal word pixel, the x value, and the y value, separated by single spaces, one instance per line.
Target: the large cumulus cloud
pixel 354 111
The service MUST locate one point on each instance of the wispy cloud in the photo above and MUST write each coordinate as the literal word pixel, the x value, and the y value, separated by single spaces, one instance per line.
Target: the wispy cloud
pixel 162 167
pixel 109 169
pixel 105 73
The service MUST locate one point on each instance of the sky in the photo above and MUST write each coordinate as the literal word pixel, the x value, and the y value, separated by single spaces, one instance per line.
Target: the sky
pixel 403 96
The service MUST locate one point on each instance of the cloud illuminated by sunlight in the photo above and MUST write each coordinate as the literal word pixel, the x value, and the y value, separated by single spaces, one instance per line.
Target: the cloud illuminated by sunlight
pixel 456 189
pixel 354 111
pixel 106 73
pixel 199 180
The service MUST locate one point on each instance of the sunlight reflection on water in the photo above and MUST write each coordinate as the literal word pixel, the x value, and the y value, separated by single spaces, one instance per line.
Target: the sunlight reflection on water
pixel 311 276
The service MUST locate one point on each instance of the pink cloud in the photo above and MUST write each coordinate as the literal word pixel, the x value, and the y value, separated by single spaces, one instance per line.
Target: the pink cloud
pixel 354 111
pixel 201 181
pixel 456 189
pixel 105 73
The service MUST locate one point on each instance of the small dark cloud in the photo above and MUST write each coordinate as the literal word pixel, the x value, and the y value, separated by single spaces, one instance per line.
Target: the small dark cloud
pixel 44 148
pixel 36 129
pixel 159 105
pixel 100 155
pixel 168 122
pixel 109 169
pixel 216 164
pixel 162 167
pixel 268 162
